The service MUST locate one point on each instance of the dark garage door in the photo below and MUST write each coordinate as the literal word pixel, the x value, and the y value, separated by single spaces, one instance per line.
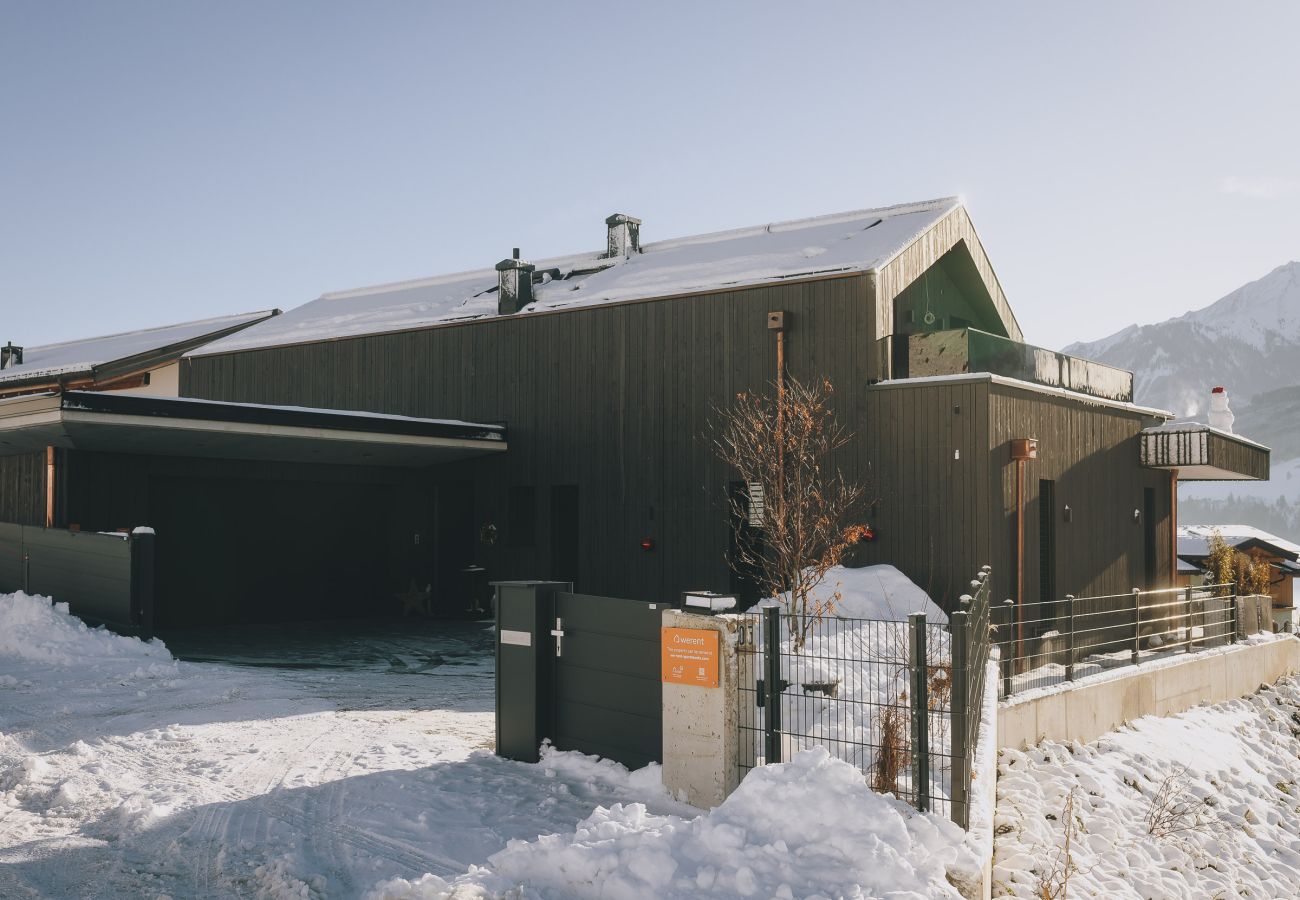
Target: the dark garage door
pixel 250 550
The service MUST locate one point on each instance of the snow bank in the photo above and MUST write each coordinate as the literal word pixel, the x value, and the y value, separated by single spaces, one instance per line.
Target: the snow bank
pixel 871 592
pixel 34 629
pixel 1232 790
pixel 878 592
pixel 807 828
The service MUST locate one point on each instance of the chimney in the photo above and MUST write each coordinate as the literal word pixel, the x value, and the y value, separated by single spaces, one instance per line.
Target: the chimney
pixel 1220 416
pixel 10 355
pixel 624 235
pixel 514 285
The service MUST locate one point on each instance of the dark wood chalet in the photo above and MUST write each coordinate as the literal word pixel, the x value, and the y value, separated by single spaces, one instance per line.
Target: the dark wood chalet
pixel 600 372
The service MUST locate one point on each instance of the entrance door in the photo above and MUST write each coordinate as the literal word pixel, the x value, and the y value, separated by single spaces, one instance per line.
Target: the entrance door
pixel 564 533
pixel 1047 547
pixel 606 696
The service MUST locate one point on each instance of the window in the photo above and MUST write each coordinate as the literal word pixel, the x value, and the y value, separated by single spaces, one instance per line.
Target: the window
pixel 521 516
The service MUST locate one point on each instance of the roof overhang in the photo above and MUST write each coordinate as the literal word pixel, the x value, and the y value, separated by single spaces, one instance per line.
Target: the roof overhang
pixel 169 426
pixel 1201 453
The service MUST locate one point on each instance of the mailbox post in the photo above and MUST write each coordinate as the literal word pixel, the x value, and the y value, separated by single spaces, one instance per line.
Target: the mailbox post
pixel 524 621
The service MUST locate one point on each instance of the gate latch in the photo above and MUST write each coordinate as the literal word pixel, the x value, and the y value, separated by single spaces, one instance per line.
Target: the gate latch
pixel 760 693
pixel 558 633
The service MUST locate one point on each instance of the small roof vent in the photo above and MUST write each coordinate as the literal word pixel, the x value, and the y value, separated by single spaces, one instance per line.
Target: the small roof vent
pixel 624 235
pixel 11 355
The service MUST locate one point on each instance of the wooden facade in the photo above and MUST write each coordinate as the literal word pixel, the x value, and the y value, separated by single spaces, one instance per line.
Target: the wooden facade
pixel 22 489
pixel 609 480
pixel 612 404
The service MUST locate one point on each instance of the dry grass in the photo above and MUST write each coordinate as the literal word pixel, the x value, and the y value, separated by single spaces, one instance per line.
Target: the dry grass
pixel 894 754
pixel 1054 883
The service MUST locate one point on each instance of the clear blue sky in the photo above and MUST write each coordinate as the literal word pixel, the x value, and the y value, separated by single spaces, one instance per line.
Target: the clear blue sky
pixel 163 161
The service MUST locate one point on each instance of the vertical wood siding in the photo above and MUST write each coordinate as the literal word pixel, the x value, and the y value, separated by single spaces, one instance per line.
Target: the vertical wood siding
pixel 614 399
pixel 22 488
pixel 920 255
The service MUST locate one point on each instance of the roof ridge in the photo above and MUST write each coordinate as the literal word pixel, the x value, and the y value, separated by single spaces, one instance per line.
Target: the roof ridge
pixel 707 237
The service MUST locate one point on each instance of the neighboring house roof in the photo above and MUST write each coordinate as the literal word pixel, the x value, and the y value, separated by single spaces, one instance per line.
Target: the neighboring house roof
pixel 861 241
pixel 113 354
pixel 1194 540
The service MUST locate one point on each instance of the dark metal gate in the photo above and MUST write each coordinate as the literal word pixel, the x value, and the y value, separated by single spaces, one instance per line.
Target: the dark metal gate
pixel 578 670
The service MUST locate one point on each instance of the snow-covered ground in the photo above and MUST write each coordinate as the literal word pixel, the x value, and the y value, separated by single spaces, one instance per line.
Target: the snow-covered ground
pixel 366 771
pixel 1202 804
pixel 127 773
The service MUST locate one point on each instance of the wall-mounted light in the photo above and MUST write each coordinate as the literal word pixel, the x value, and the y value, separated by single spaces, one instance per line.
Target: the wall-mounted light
pixel 1137 515
pixel 647 543
pixel 1069 513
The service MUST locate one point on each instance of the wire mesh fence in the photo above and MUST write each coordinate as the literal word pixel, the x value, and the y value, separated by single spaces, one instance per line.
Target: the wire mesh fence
pixel 1051 642
pixel 898 700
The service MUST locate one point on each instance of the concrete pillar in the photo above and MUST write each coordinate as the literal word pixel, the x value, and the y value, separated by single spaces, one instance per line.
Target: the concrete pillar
pixel 700 723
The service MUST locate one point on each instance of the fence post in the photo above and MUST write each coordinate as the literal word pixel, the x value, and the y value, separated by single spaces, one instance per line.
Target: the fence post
pixel 1008 611
pixel 1137 621
pixel 1069 637
pixel 1236 624
pixel 960 725
pixel 916 659
pixel 1187 615
pixel 772 684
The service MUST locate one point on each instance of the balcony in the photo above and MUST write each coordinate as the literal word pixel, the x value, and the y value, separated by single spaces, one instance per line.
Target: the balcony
pixel 964 350
pixel 1200 453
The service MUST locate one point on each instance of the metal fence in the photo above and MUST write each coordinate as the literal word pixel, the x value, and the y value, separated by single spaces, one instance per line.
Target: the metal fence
pixel 1050 642
pixel 901 701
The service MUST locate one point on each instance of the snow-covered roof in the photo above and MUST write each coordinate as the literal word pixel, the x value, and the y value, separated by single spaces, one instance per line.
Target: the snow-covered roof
pixel 1194 540
pixel 72 357
pixel 968 377
pixel 859 241
pixel 1197 427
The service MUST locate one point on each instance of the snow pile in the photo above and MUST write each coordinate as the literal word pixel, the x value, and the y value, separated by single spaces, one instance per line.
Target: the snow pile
pixel 1203 804
pixel 34 629
pixel 810 827
pixel 877 592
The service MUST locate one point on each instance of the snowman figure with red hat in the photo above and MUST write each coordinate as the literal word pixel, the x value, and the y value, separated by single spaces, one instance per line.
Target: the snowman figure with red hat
pixel 1220 416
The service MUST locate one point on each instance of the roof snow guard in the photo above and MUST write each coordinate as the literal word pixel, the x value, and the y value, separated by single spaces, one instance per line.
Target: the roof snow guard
pixel 1201 453
pixel 170 426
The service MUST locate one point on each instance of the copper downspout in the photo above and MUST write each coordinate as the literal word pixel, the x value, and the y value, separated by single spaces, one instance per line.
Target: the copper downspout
pixel 1020 559
pixel 49 486
pixel 1173 526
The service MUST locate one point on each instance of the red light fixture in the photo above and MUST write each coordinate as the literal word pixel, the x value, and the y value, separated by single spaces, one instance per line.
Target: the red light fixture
pixel 868 533
pixel 647 543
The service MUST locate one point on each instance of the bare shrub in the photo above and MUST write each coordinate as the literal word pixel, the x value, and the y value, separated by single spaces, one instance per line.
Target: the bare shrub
pixel 1173 809
pixel 894 755
pixel 782 445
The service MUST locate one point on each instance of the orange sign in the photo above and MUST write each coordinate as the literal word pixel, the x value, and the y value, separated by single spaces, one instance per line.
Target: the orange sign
pixel 690 656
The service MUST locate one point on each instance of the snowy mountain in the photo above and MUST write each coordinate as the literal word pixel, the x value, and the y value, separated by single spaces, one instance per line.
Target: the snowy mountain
pixel 1248 341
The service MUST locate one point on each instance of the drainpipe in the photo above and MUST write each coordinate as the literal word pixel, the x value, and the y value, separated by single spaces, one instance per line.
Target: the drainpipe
pixel 49 486
pixel 1173 526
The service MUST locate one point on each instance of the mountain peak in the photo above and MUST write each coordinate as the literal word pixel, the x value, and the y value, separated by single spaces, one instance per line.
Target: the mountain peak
pixel 1248 340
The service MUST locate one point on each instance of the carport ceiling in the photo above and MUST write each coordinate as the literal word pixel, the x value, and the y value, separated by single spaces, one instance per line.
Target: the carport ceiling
pixel 169 426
